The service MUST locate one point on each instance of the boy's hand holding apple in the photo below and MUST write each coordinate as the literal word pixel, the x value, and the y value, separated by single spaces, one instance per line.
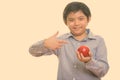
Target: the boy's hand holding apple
pixel 83 54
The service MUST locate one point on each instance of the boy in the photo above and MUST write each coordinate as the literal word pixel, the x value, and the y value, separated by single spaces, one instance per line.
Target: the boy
pixel 72 65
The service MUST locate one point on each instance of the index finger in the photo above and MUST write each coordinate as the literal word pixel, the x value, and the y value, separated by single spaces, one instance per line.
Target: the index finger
pixel 63 41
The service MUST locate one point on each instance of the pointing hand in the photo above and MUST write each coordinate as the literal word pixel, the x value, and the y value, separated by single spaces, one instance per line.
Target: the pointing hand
pixel 54 43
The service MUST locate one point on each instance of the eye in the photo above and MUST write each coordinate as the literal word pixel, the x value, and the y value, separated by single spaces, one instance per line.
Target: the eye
pixel 70 20
pixel 81 19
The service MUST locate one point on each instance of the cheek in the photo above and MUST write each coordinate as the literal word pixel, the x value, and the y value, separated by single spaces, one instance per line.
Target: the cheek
pixel 70 23
pixel 84 24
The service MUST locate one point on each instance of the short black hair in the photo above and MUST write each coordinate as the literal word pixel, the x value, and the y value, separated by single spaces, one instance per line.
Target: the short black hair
pixel 74 7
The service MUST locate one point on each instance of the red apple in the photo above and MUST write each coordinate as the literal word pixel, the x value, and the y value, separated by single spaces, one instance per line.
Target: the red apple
pixel 84 50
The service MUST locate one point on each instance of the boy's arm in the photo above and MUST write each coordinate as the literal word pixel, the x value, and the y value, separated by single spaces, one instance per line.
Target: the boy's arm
pixel 38 49
pixel 99 65
pixel 47 46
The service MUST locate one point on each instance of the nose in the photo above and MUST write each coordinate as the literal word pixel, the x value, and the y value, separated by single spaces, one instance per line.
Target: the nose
pixel 77 22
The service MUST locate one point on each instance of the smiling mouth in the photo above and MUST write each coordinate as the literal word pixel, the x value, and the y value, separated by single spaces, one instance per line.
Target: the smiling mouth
pixel 77 28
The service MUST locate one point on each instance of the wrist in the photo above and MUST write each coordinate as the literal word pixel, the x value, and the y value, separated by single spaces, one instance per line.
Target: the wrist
pixel 88 60
pixel 45 43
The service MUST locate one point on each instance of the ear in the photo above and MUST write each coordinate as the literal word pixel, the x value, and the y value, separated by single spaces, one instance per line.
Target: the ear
pixel 89 19
pixel 65 22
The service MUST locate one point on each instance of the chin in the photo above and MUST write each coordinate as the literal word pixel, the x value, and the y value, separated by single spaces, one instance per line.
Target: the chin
pixel 76 34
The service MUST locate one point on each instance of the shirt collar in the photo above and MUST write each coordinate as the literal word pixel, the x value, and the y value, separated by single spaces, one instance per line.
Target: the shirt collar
pixel 90 35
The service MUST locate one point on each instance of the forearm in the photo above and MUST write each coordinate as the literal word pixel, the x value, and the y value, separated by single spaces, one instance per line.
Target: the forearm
pixel 38 49
pixel 99 68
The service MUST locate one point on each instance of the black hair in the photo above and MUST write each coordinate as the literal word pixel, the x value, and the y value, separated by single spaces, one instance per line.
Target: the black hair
pixel 74 7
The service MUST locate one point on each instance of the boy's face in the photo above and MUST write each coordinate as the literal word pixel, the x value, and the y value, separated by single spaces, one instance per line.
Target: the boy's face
pixel 77 22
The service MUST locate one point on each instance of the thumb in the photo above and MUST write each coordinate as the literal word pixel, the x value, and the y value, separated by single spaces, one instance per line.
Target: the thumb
pixel 55 35
pixel 90 53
